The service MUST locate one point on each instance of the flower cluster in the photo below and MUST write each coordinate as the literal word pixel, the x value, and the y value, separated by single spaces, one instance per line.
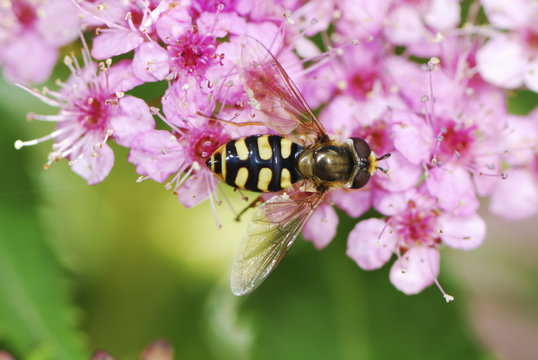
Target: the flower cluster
pixel 423 80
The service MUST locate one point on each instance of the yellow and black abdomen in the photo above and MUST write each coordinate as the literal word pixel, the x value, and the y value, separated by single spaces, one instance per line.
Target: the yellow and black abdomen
pixel 262 163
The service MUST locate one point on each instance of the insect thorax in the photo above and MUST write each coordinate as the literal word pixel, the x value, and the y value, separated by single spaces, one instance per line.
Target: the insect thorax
pixel 327 164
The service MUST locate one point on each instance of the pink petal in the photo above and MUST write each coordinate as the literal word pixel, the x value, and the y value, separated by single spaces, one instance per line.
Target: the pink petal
pixel 132 118
pixel 221 24
pixel 95 168
pixel 318 86
pixel 28 59
pixel 413 137
pixel 182 102
pixel 409 79
pixel 120 77
pixel 354 203
pixel 462 232
pixel 321 227
pixel 403 26
pixel 341 116
pixel 483 183
pixel 267 33
pixel 391 203
pixel 516 197
pixel 453 188
pixel 173 23
pixel 520 138
pixel 233 91
pixel 243 7
pixel 58 22
pixel 509 14
pixel 443 15
pixel 531 76
pixel 150 62
pixel 371 244
pixel 156 154
pixel 195 190
pixel 112 42
pixel 501 61
pixel 402 174
pixel 415 270
pixel 369 14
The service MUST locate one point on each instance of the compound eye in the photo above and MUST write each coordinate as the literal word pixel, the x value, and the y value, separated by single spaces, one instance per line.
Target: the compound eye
pixel 361 147
pixel 361 179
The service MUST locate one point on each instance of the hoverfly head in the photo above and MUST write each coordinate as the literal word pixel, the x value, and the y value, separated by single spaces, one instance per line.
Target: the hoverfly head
pixel 363 151
pixel 367 163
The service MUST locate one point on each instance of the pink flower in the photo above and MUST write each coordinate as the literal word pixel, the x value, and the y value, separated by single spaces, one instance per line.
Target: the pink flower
pixel 517 196
pixel 31 33
pixel 414 230
pixel 190 38
pixel 420 26
pixel 510 60
pixel 360 19
pixel 92 110
pixel 448 129
pixel 128 24
pixel 159 154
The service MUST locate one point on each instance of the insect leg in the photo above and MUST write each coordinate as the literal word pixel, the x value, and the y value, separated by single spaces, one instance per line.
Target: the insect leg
pixel 230 122
pixel 253 204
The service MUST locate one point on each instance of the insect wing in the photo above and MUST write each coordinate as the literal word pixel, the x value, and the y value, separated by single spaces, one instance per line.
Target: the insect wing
pixel 271 91
pixel 273 229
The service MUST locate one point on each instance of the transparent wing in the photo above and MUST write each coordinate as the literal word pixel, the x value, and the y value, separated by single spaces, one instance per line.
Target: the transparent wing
pixel 273 229
pixel 271 91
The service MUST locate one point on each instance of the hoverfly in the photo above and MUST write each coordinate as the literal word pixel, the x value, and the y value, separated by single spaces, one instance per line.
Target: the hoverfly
pixel 302 164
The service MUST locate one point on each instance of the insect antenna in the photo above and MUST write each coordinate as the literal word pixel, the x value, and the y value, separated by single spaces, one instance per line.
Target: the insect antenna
pixel 386 156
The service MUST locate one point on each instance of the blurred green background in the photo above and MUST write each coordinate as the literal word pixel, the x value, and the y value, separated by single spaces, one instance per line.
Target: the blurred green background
pixel 118 265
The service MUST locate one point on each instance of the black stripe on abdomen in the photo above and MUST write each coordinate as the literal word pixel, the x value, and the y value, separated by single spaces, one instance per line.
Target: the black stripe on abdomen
pixel 254 163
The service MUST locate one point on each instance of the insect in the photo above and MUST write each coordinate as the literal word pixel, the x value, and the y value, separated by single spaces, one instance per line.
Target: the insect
pixel 302 164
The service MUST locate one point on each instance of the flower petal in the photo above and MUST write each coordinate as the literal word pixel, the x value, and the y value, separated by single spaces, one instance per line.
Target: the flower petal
pixel 58 22
pixel 501 61
pixel 94 168
pixel 156 154
pixel 321 227
pixel 120 77
pixel 403 26
pixel 173 23
pixel 150 62
pixel 28 59
pixel 354 203
pixel 413 137
pixel 402 174
pixel 453 188
pixel 371 244
pixel 112 42
pixel 195 190
pixel 516 197
pixel 508 14
pixel 443 15
pixel 462 232
pixel 531 76
pixel 133 117
pixel 415 270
